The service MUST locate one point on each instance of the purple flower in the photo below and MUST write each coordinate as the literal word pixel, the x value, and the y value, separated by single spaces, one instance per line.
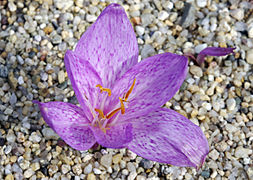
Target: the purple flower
pixel 121 99
pixel 210 51
pixel 213 51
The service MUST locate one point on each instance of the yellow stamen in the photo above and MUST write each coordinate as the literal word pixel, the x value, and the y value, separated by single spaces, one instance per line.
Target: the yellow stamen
pixel 104 129
pixel 122 106
pixel 101 113
pixel 104 89
pixel 129 91
pixel 112 113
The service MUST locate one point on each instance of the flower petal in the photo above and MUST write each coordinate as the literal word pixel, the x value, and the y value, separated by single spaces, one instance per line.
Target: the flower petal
pixel 84 79
pixel 166 136
pixel 158 78
pixel 117 136
pixel 110 44
pixel 69 122
pixel 213 51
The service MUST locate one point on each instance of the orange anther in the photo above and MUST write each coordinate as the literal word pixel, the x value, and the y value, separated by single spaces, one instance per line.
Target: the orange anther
pixel 129 91
pixel 122 106
pixel 104 89
pixel 112 113
pixel 101 113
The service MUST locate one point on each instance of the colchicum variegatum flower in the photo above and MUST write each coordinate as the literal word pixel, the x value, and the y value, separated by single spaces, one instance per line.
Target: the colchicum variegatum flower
pixel 121 99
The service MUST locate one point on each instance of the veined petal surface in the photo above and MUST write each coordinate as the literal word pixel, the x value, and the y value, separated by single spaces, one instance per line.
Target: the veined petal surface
pixel 110 45
pixel 117 136
pixel 213 51
pixel 158 78
pixel 166 136
pixel 69 122
pixel 84 79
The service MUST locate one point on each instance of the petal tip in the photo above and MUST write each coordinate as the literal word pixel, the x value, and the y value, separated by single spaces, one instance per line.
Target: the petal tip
pixel 36 102
pixel 114 6
pixel 213 51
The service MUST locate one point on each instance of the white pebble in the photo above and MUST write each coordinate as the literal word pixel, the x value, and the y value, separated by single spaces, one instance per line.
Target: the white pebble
pixel 96 171
pixel 163 15
pixel 201 3
pixel 20 80
pixel 231 104
pixel 200 47
pixel 139 30
pixel 91 18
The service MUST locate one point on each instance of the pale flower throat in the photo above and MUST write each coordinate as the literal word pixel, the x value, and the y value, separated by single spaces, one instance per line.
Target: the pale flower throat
pixel 100 119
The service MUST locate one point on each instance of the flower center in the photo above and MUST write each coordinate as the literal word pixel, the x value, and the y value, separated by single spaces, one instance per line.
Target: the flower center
pixel 102 119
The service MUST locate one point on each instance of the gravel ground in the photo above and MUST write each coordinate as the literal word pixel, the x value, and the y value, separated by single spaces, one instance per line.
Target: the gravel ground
pixel 34 36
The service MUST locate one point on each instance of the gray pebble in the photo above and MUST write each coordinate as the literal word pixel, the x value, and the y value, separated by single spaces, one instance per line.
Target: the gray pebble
pixel 88 169
pixel 13 99
pixel 3 71
pixel 106 160
pixel 20 60
pixel 48 133
pixel 147 51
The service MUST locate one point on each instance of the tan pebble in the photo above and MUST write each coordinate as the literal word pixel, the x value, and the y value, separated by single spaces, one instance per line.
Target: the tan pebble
pixel 210 91
pixel 238 91
pixel 65 34
pixel 245 104
pixel 136 20
pixel 205 98
pixel 50 80
pixel 9 177
pixel 219 89
pixel 35 166
pixel 183 113
pixel 28 173
pixel 40 175
pixel 61 76
pixel 13 81
pixel 223 45
pixel 48 29
pixel 237 55
pixel 13 159
pixel 209 59
pixel 194 113
pixel 250 116
pixel 87 158
pixel 195 70
pixel 218 79
pixel 223 112
pixel 193 88
pixel 77 169
pixel 116 158
pixel 58 149
pixel 201 118
pixel 91 176
pixel 169 23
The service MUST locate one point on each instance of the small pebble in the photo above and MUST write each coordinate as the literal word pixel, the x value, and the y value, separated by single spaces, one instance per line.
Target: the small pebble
pixel 196 70
pixel 61 77
pixel 231 104
pixel 201 3
pixel 88 169
pixel 106 160
pixel 249 56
